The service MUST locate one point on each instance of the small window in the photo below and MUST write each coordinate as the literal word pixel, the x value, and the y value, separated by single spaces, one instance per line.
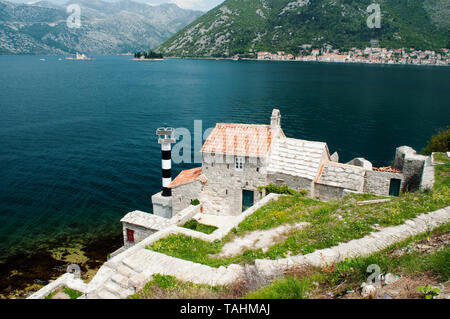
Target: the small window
pixel 257 169
pixel 239 163
pixel 228 166
pixel 130 235
pixel 226 192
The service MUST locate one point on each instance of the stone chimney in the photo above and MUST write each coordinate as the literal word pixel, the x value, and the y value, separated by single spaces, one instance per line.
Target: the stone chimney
pixel 275 120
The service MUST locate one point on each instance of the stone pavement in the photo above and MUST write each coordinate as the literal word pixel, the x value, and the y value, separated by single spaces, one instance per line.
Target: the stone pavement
pixel 214 220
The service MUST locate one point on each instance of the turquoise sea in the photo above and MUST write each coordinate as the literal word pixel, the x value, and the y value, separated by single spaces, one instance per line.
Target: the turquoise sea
pixel 77 138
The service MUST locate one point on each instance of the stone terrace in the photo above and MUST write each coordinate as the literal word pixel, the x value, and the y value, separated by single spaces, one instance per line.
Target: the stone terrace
pixel 130 270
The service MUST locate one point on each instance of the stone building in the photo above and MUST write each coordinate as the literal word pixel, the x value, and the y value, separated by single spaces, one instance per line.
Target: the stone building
pixel 237 159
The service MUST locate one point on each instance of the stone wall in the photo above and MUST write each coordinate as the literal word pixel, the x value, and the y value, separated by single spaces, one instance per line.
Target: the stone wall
pixel 342 176
pixel 361 162
pixel 378 183
pixel 428 178
pixel 140 233
pixel 411 164
pixel 67 280
pixel 162 206
pixel 326 192
pixel 294 182
pixel 144 224
pixel 185 215
pixel 182 195
pixel 222 194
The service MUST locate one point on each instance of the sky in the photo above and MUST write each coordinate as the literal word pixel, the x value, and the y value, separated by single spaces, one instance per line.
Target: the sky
pixel 204 5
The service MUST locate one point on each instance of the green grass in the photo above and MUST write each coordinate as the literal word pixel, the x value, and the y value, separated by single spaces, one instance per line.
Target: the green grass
pixel 195 225
pixel 442 172
pixel 307 283
pixel 289 287
pixel 350 273
pixel 330 223
pixel 73 294
pixel 412 263
pixel 169 287
pixel 50 295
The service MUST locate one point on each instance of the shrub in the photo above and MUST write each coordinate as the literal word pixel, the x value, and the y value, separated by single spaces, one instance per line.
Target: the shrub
pixel 278 190
pixel 195 202
pixel 439 143
pixel 428 292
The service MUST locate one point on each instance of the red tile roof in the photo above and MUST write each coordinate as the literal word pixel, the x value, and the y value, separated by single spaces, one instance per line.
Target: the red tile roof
pixel 388 169
pixel 239 139
pixel 188 176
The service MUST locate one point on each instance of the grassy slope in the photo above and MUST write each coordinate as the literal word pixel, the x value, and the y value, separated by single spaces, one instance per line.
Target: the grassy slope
pixel 167 287
pixel 330 223
pixel 349 274
pixel 313 282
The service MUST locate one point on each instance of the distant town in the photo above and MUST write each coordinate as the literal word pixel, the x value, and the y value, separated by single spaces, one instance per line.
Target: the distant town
pixel 367 55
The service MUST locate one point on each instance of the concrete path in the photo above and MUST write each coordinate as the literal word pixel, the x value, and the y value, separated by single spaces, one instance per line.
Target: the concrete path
pixel 214 220
pixel 427 181
pixel 259 239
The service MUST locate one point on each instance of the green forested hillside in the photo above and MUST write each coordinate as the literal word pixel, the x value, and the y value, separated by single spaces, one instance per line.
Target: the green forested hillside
pixel 243 26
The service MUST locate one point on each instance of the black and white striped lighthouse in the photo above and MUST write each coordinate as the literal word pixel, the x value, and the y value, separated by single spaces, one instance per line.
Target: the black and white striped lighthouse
pixel 166 139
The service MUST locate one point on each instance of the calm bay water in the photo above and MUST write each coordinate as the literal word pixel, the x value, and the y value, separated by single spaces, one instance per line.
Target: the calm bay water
pixel 77 139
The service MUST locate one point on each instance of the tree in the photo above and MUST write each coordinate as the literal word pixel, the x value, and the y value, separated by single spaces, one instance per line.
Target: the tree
pixel 439 143
pixel 148 55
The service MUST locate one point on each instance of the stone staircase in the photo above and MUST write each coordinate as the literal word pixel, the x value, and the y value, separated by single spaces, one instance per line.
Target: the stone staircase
pixel 130 270
pixel 121 277
pixel 133 272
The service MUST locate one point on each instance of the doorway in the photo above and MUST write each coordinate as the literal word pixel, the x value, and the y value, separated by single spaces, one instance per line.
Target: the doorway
pixel 247 199
pixel 130 235
pixel 394 188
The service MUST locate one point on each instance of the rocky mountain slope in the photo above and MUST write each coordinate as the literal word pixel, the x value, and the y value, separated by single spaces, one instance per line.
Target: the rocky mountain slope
pixel 245 26
pixel 106 28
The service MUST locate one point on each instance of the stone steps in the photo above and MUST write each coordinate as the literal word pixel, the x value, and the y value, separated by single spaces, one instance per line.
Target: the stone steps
pixel 125 271
pixel 112 287
pixel 139 260
pixel 121 280
pixel 105 294
pixel 117 290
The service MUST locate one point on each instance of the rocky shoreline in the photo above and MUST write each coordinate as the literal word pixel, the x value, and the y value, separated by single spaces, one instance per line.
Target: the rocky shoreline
pixel 24 273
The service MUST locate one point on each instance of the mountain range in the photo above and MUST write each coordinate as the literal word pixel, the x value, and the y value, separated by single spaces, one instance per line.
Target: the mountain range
pixel 106 27
pixel 242 27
